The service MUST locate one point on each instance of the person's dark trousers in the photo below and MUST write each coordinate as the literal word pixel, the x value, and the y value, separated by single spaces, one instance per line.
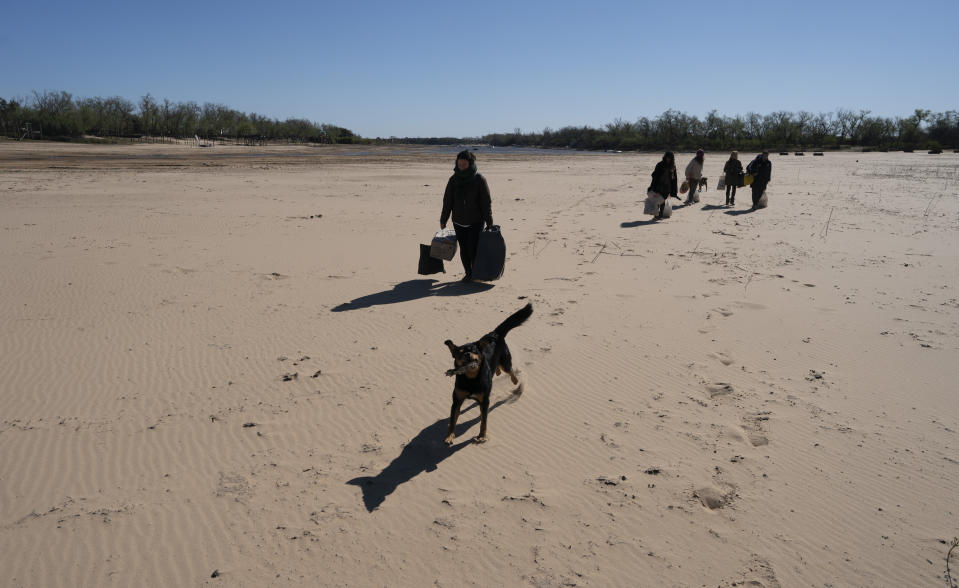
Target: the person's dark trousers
pixel 728 199
pixel 758 190
pixel 468 239
pixel 693 186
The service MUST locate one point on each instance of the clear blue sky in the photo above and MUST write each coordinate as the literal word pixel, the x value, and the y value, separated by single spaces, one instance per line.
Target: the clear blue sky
pixel 470 68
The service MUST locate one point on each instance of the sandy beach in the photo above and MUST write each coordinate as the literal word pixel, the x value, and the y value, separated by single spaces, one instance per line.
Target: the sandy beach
pixel 220 368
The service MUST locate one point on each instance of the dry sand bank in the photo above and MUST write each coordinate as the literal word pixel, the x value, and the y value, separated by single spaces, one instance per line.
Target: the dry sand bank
pixel 724 397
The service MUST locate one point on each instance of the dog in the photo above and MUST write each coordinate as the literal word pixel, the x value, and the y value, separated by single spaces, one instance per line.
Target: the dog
pixel 476 363
pixel 703 185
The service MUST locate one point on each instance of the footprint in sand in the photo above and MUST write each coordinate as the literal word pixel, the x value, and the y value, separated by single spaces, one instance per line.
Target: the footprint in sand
pixel 231 484
pixel 714 498
pixel 753 428
pixel 761 573
pixel 724 358
pixel 736 434
pixel 743 435
pixel 719 389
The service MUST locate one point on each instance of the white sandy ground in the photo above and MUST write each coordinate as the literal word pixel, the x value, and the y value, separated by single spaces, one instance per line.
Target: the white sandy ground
pixel 722 399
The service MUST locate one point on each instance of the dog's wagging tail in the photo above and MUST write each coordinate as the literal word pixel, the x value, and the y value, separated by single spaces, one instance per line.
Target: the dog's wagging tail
pixel 475 364
pixel 514 320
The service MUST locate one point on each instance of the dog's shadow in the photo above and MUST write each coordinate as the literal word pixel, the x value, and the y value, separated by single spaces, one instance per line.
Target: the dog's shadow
pixel 413 290
pixel 422 454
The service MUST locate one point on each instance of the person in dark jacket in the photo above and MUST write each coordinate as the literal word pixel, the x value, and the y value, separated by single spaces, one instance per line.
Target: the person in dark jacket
pixel 733 169
pixel 762 174
pixel 694 173
pixel 664 180
pixel 467 198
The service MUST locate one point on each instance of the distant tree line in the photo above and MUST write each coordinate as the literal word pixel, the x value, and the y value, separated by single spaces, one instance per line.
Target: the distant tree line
pixel 778 130
pixel 59 115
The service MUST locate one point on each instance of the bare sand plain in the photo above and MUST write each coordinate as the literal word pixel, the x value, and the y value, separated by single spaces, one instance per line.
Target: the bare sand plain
pixel 220 368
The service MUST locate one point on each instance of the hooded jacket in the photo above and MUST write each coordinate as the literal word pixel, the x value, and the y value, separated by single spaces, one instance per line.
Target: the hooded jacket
pixel 694 170
pixel 764 172
pixel 469 203
pixel 733 169
pixel 664 179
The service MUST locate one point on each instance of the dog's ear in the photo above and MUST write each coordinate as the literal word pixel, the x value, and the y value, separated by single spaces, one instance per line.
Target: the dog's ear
pixel 452 347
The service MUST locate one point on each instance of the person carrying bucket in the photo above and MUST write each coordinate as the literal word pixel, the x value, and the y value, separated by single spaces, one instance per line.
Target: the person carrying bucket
pixel 733 169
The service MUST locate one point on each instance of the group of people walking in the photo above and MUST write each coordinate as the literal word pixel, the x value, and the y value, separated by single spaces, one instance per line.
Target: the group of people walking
pixel 664 184
pixel 467 196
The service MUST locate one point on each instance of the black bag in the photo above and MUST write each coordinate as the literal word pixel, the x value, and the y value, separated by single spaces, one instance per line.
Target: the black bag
pixel 429 265
pixel 753 166
pixel 490 255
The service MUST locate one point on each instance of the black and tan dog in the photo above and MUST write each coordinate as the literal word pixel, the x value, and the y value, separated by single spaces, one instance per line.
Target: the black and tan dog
pixel 476 364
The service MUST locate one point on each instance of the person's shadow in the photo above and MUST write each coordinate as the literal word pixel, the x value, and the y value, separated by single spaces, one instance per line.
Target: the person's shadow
pixel 650 221
pixel 639 223
pixel 739 212
pixel 715 207
pixel 422 454
pixel 413 290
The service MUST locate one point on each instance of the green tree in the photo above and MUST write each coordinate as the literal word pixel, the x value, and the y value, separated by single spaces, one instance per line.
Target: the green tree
pixel 11 115
pixel 149 115
pixel 55 112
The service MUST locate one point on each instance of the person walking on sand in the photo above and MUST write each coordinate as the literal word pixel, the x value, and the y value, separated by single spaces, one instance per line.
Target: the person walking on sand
pixel 733 169
pixel 467 198
pixel 694 173
pixel 664 180
pixel 762 170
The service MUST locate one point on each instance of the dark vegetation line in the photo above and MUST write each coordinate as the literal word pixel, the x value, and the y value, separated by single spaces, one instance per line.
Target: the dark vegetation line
pixel 58 115
pixel 778 130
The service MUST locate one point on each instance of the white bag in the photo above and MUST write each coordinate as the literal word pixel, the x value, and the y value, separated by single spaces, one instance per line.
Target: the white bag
pixel 694 196
pixel 653 202
pixel 667 209
pixel 443 245
pixel 721 183
pixel 763 201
